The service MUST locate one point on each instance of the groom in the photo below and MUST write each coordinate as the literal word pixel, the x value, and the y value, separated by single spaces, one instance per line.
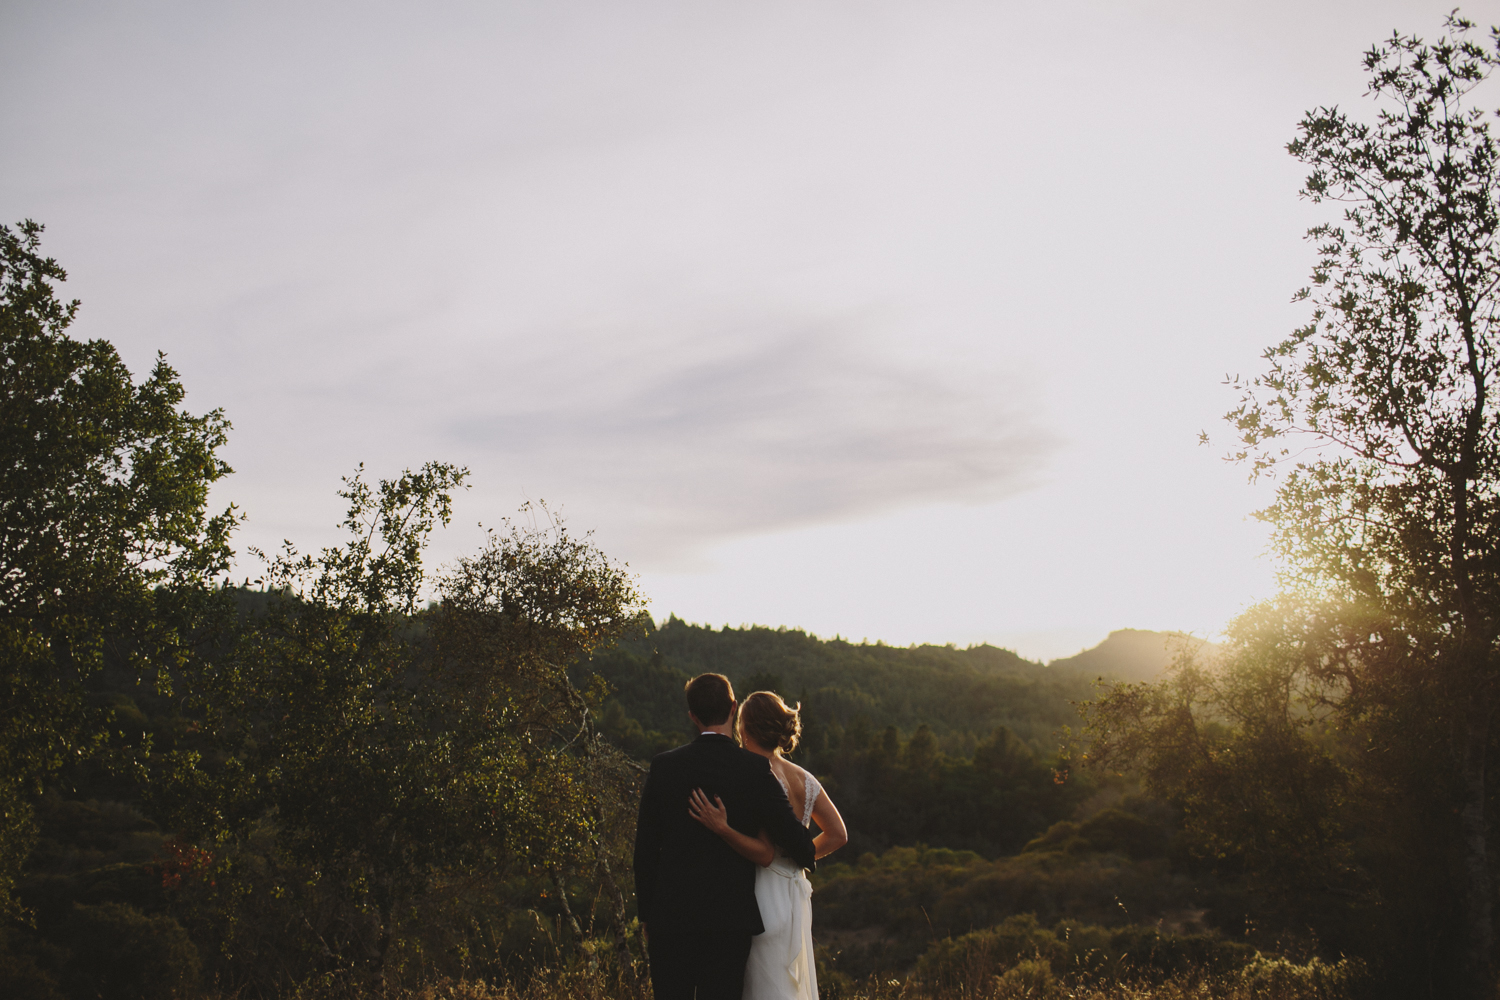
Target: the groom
pixel 695 895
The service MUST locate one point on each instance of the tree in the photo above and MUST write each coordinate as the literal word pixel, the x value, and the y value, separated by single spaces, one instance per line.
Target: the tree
pixel 1247 749
pixel 105 543
pixel 1401 510
pixel 1355 712
pixel 1388 519
pixel 512 620
pixel 387 750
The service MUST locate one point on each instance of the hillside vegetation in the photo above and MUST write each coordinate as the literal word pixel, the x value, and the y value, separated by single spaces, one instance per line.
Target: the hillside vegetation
pixel 934 745
pixel 960 694
pixel 1133 655
pixel 946 765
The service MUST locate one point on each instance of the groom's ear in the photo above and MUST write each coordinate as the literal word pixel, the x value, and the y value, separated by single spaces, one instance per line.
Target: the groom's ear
pixel 696 724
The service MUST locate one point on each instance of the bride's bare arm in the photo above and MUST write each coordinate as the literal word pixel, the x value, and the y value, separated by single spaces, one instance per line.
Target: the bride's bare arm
pixel 716 818
pixel 833 834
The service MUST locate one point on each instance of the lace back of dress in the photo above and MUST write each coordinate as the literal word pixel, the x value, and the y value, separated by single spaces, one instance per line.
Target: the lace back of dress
pixel 810 792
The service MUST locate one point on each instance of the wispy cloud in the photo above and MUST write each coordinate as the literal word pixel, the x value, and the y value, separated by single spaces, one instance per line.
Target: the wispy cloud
pixel 747 435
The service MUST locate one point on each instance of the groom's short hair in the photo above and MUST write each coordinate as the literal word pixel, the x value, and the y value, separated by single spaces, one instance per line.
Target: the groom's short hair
pixel 710 698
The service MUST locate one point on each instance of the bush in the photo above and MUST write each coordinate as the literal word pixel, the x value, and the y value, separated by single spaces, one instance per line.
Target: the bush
pixel 975 957
pixel 1138 953
pixel 21 979
pixel 1278 979
pixel 1031 980
pixel 120 953
pixel 1120 832
pixel 950 898
pixel 1146 951
pixel 1113 831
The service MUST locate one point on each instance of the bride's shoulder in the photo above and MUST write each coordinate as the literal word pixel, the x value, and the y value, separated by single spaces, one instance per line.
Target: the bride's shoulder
pixel 794 771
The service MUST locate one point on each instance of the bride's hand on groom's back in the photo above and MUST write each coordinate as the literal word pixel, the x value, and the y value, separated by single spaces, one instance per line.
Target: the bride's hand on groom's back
pixel 714 816
pixel 711 814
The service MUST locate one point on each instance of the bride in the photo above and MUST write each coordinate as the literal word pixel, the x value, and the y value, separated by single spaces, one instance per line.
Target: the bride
pixel 781 965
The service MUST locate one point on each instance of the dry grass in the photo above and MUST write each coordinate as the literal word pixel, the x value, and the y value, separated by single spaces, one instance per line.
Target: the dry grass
pixel 1263 979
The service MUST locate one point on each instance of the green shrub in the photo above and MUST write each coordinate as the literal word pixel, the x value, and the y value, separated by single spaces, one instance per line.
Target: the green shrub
pixel 1082 951
pixel 21 979
pixel 1121 832
pixel 120 953
pixel 975 957
pixel 1278 979
pixel 1061 836
pixel 1089 948
pixel 1113 831
pixel 1147 951
pixel 1031 979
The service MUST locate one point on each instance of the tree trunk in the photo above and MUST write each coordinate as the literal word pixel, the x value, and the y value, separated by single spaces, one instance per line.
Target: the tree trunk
pixel 624 957
pixel 1478 902
pixel 562 896
pixel 385 906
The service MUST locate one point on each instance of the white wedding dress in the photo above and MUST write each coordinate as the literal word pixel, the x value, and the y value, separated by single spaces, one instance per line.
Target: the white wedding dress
pixel 781 965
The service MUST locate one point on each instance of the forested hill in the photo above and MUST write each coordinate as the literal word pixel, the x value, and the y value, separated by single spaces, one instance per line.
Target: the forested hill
pixel 1131 654
pixel 851 691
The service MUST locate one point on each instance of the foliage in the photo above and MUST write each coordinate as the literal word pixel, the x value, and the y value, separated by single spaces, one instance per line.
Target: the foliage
pixel 893 793
pixel 1247 752
pixel 324 777
pixel 1030 979
pixel 1335 817
pixel 1393 374
pixel 368 756
pixel 1337 756
pixel 881 914
pixel 104 537
pixel 1269 978
pixel 1111 830
pixel 962 695
pixel 512 621
pixel 22 979
pixel 314 720
pixel 1126 952
pixel 121 953
pixel 971 771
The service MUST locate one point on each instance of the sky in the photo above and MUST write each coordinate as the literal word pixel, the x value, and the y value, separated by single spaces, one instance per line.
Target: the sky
pixel 893 321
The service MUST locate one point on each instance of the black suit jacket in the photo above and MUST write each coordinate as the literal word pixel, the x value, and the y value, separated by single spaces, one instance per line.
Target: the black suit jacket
pixel 684 874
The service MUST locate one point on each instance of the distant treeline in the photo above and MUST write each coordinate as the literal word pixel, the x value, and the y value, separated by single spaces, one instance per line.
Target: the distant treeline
pixel 849 692
pixel 925 744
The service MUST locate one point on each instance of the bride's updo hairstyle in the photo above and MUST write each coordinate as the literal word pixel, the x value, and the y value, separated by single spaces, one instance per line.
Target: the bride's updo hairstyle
pixel 767 720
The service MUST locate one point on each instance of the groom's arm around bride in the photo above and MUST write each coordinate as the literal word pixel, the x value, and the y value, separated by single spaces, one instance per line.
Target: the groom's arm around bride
pixel 694 894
